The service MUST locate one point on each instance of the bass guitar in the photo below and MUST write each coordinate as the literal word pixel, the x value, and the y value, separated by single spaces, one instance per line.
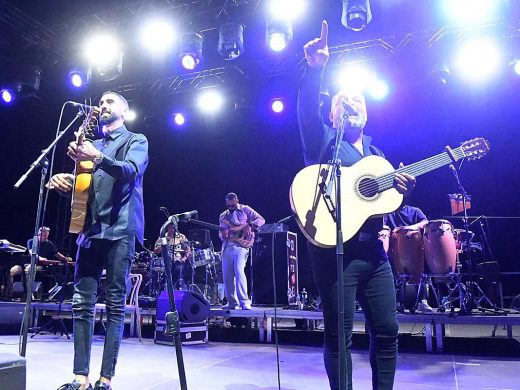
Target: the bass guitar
pixel 236 233
pixel 366 191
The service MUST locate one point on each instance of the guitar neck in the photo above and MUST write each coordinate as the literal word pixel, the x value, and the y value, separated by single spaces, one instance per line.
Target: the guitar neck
pixel 419 168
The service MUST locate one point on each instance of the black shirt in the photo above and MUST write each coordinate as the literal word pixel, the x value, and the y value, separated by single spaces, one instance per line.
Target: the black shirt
pixel 318 138
pixel 47 249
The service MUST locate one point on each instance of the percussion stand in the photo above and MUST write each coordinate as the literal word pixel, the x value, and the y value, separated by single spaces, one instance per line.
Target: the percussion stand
pixel 469 301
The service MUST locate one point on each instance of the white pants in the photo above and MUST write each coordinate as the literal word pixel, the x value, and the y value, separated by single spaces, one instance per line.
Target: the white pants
pixel 234 260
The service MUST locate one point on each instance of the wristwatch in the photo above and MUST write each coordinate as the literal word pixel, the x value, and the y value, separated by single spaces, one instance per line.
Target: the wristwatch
pixel 99 158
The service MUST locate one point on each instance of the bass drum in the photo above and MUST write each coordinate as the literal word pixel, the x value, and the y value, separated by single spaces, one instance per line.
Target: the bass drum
pixel 407 253
pixel 439 247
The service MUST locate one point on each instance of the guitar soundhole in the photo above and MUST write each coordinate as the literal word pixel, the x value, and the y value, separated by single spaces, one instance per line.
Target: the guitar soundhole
pixel 368 187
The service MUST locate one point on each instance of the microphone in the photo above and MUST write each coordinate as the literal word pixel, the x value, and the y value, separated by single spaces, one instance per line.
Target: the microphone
pixel 349 110
pixel 85 107
pixel 187 215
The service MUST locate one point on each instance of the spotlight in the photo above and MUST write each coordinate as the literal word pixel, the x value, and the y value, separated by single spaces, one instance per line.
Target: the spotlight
pixel 356 14
pixel 378 89
pixel 279 34
pixel 191 50
pixel 105 57
pixel 158 36
pixel 277 105
pixel 130 116
pixel 210 101
pixel 516 67
pixel 7 96
pixel 230 40
pixel 464 12
pixel 356 77
pixel 77 78
pixel 477 60
pixel 179 119
pixel 286 9
pixel 439 74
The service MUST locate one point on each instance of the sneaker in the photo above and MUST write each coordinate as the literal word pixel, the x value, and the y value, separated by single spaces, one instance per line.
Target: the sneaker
pixel 246 306
pixel 424 307
pixel 73 386
pixel 102 386
pixel 230 307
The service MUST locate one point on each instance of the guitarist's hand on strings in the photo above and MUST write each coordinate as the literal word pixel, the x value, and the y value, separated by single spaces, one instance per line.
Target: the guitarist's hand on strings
pixel 82 152
pixel 317 50
pixel 403 182
pixel 61 182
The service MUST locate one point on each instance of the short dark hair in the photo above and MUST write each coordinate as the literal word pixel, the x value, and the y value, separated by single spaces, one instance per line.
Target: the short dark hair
pixel 231 196
pixel 118 95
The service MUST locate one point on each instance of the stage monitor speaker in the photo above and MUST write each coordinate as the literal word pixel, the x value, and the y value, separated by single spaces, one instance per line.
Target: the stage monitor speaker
pixel 286 269
pixel 18 290
pixel 12 372
pixel 191 306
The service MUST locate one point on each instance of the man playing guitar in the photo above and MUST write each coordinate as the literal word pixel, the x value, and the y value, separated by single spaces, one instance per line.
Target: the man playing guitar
pixel 237 226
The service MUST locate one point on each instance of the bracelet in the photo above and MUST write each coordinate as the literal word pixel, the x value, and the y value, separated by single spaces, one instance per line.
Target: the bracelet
pixel 99 159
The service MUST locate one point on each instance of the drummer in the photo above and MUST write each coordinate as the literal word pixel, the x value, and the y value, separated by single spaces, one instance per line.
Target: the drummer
pixel 179 249
pixel 406 215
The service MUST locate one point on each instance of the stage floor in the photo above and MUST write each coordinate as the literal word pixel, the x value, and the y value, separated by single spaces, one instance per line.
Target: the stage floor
pixel 231 366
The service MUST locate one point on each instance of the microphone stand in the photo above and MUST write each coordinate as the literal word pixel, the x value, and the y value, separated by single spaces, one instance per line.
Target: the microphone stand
pixel 43 163
pixel 172 317
pixel 335 179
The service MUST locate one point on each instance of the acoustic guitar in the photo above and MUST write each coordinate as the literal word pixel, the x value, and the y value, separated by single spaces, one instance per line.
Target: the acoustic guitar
pixel 366 191
pixel 82 177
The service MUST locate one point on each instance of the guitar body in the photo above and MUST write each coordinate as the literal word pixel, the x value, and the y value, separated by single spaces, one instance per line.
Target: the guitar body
pixel 79 202
pixel 366 191
pixel 236 235
pixel 312 213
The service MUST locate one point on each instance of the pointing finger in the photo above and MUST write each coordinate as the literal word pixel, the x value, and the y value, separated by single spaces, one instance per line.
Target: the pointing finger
pixel 324 31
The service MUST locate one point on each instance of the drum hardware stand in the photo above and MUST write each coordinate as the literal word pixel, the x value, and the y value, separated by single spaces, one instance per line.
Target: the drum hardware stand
pixel 172 317
pixel 56 324
pixel 470 301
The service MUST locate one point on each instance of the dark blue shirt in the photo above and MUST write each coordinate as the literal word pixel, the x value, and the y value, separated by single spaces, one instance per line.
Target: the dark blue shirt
pixel 318 138
pixel 405 216
pixel 115 205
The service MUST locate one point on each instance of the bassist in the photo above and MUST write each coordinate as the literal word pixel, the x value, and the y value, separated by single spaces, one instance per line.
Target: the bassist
pixel 237 226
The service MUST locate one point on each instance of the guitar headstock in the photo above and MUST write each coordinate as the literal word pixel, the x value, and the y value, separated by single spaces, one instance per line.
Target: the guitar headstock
pixel 86 130
pixel 475 148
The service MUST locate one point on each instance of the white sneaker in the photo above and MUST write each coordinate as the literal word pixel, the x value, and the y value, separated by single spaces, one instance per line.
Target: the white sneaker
pixel 230 307
pixel 424 307
pixel 246 306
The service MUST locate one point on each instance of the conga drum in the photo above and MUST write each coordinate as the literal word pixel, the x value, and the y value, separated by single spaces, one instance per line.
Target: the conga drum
pixel 439 246
pixel 407 252
pixel 384 237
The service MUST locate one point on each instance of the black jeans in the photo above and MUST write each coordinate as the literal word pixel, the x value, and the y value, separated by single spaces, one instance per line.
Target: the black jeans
pixel 367 277
pixel 115 257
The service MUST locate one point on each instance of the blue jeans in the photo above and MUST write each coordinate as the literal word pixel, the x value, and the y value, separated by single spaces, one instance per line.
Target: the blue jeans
pixel 116 257
pixel 367 277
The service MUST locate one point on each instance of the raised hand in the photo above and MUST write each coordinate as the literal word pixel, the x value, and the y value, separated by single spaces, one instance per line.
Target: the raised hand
pixel 317 50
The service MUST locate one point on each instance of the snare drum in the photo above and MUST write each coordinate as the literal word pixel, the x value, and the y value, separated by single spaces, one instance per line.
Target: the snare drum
pixel 407 253
pixel 203 257
pixel 439 246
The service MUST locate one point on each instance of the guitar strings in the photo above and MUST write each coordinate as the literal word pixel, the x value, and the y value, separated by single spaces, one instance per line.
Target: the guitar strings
pixel 385 181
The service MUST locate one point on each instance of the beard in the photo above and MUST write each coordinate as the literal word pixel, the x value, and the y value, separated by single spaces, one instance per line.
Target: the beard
pixel 108 119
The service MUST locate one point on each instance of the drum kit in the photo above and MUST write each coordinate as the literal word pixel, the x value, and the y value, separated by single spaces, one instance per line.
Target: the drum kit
pixel 440 247
pixel 152 268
